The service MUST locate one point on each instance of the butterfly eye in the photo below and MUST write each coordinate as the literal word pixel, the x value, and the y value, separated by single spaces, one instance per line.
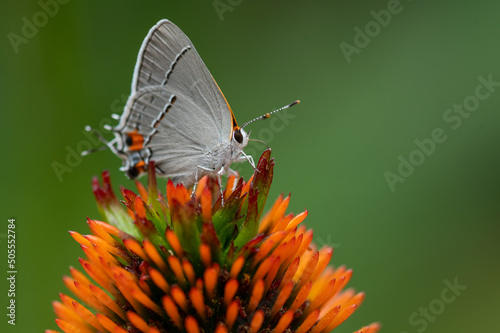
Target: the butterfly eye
pixel 238 136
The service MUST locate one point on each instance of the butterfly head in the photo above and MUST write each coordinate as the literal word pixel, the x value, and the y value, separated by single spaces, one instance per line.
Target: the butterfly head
pixel 240 137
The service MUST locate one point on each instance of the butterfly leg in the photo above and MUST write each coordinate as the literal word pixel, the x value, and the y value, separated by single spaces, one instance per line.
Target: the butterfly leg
pixel 195 182
pixel 249 158
pixel 219 173
pixel 231 172
pixel 219 179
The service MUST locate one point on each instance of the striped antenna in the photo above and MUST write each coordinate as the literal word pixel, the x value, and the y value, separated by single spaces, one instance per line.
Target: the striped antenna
pixel 267 115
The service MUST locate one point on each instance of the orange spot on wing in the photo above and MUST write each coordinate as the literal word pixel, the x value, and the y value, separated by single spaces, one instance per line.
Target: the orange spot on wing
pixel 140 166
pixel 137 140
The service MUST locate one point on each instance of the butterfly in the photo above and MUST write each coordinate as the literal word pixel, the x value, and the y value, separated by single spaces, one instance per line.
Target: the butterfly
pixel 176 114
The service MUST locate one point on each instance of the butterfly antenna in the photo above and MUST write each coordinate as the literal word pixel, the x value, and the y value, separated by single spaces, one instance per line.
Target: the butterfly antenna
pixel 267 115
pixel 108 144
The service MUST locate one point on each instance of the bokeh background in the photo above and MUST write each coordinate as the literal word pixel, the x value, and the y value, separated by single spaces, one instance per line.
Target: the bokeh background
pixel 359 114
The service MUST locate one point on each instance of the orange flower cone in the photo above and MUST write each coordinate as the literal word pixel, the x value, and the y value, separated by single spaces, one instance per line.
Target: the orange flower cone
pixel 185 263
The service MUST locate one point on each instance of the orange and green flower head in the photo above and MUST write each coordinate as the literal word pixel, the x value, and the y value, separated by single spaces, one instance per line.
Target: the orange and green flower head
pixel 182 262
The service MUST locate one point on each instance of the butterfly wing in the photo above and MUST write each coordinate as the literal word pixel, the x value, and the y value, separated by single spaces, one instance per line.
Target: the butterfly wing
pixel 168 58
pixel 176 112
pixel 172 130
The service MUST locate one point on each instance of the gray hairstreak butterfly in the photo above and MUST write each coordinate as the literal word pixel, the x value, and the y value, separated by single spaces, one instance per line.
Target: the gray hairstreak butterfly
pixel 176 114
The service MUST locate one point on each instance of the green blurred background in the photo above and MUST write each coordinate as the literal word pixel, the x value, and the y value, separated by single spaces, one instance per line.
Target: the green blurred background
pixel 355 120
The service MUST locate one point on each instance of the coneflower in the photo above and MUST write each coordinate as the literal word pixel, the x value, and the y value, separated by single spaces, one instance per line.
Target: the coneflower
pixel 185 263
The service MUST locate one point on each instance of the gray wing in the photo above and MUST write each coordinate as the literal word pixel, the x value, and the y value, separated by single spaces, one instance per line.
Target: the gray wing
pixel 168 59
pixel 176 132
